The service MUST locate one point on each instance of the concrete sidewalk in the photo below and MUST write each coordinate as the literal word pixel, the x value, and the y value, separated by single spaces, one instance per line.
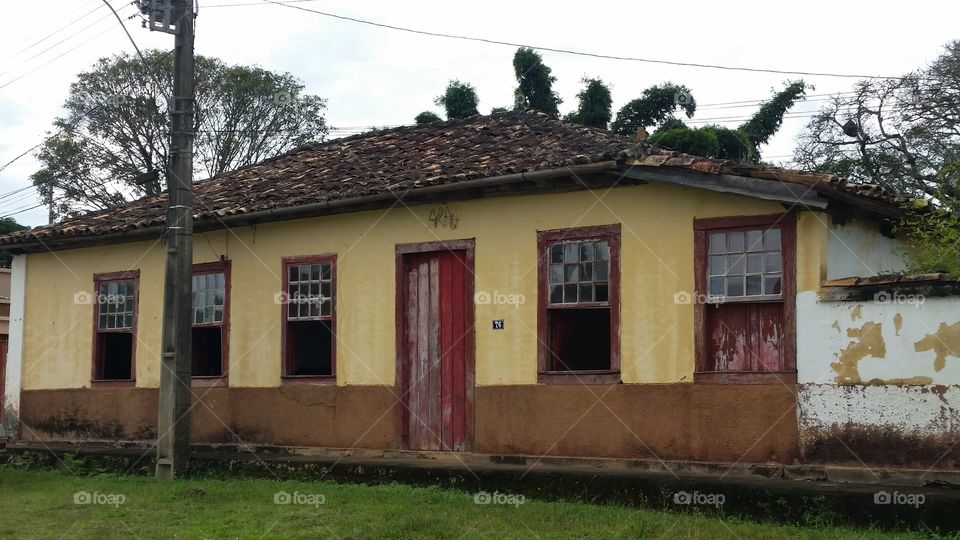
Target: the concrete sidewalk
pixel 887 498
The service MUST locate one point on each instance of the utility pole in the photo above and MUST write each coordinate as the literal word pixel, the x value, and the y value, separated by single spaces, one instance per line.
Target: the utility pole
pixel 173 426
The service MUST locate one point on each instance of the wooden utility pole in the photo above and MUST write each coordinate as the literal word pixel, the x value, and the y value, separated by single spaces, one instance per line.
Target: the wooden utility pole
pixel 173 426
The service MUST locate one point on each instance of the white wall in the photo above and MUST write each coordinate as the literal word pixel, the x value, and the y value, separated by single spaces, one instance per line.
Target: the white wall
pixel 890 363
pixel 898 338
pixel 858 249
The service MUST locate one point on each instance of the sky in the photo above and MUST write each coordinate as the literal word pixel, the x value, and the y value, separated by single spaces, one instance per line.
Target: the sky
pixel 380 77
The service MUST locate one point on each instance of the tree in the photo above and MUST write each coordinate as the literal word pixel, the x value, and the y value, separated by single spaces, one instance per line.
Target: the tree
pixel 427 117
pixel 112 144
pixel 498 110
pixel 459 100
pixel 741 144
pixel 656 105
pixel 934 234
pixel 594 107
pixel 534 83
pixel 707 141
pixel 899 133
pixel 767 121
pixel 699 142
pixel 7 226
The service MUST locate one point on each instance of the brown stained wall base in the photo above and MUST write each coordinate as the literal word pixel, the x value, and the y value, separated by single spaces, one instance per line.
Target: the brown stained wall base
pixel 295 415
pixel 883 446
pixel 701 422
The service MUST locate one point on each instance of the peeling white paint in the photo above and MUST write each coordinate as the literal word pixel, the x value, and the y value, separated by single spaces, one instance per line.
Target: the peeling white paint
pixel 822 334
pixel 902 408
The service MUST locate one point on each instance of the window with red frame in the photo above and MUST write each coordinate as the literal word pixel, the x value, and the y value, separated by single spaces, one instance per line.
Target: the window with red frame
pixel 579 301
pixel 309 317
pixel 745 295
pixel 210 316
pixel 115 322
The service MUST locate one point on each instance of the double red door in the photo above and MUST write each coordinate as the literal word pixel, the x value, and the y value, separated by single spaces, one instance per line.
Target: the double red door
pixel 436 375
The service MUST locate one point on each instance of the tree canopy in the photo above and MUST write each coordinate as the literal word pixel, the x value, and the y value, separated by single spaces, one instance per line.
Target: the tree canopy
pixel 534 83
pixel 112 144
pixel 594 104
pixel 654 106
pixel 459 100
pixel 7 226
pixel 741 144
pixel 427 117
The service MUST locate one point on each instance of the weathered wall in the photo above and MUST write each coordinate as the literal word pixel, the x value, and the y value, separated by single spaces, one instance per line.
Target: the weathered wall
pixel 626 420
pixel 857 249
pixel 877 380
pixel 657 262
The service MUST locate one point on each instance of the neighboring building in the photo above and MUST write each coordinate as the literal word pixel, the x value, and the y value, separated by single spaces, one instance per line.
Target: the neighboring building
pixel 507 284
pixel 4 330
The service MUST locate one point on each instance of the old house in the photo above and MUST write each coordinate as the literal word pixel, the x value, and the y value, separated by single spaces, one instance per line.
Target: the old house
pixel 507 284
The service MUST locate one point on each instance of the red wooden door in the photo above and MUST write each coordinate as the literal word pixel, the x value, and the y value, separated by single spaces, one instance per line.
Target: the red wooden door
pixel 436 378
pixel 746 336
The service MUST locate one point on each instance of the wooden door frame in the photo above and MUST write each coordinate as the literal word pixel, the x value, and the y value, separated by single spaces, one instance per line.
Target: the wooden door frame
pixel 466 245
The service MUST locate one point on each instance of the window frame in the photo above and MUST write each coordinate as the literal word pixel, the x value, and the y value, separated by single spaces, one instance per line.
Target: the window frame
pixel 787 223
pixel 223 379
pixel 98 279
pixel 285 367
pixel 545 239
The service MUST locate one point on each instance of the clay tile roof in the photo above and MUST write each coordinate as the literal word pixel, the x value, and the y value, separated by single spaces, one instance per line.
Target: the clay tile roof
pixel 410 157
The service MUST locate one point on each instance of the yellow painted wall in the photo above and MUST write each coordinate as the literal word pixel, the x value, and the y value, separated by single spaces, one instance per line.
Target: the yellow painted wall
pixel 656 263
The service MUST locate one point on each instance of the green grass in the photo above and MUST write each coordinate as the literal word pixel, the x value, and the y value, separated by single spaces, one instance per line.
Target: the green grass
pixel 40 504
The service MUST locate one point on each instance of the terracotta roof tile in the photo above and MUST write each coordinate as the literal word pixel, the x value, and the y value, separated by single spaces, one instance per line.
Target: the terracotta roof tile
pixel 408 157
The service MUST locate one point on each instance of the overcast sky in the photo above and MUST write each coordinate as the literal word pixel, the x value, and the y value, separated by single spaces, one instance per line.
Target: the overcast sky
pixel 377 76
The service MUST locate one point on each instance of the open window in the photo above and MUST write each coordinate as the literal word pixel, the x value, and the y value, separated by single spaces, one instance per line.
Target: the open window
pixel 579 305
pixel 210 316
pixel 745 291
pixel 309 315
pixel 115 327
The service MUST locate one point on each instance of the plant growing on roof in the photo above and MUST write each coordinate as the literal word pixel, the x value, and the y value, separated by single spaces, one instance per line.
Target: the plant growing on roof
pixel 427 117
pixel 654 106
pixel 594 105
pixel 741 144
pixel 534 83
pixel 459 100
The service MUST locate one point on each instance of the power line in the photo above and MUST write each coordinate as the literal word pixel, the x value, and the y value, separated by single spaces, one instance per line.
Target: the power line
pixel 25 61
pixel 580 53
pixel 61 55
pixel 55 32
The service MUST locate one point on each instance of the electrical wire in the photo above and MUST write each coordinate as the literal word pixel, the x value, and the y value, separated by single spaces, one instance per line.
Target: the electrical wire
pixel 580 53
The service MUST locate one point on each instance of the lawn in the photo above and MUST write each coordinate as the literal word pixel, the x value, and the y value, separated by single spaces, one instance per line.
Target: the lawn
pixel 56 504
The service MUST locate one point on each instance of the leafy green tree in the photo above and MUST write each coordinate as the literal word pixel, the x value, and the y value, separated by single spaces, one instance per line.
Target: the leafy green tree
pixel 655 106
pixel 459 100
pixel 427 117
pixel 934 235
pixel 767 121
pixel 670 123
pixel 741 144
pixel 498 110
pixel 594 105
pixel 699 142
pixel 112 145
pixel 7 226
pixel 535 84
